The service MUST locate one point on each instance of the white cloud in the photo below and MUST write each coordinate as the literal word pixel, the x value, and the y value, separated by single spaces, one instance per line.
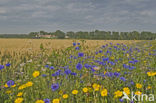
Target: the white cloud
pixel 76 15
pixel 2 11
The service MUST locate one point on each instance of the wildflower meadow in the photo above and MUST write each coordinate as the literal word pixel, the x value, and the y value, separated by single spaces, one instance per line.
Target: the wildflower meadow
pixel 80 73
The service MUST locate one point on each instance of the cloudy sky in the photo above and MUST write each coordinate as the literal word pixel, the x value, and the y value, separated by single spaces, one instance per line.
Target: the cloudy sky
pixel 24 16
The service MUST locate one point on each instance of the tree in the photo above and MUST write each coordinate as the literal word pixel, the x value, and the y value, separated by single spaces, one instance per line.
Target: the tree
pixel 60 34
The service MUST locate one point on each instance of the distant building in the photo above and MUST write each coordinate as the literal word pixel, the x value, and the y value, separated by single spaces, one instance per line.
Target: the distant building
pixel 53 36
pixel 66 37
pixel 45 36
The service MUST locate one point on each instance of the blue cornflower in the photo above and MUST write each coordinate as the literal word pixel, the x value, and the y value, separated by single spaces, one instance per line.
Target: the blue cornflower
pixel 115 47
pixel 73 73
pixel 110 48
pixel 74 44
pixel 47 101
pixel 78 43
pixel 54 87
pixel 125 66
pixel 96 53
pixel 71 56
pixel 123 49
pixel 136 61
pixel 92 69
pixel 100 51
pixel 47 66
pixel 44 75
pixel 57 73
pixel 54 74
pixel 112 63
pixel 103 46
pixel 132 83
pixel 81 81
pixel 125 73
pixel 1 67
pixel 52 67
pixel 117 44
pixel 10 83
pixel 87 66
pixel 75 57
pixel 131 67
pixel 80 54
pixel 116 74
pixel 77 48
pixel 131 62
pixel 109 74
pixel 121 100
pixel 105 59
pixel 67 71
pixel 8 64
pixel 79 66
pixel 100 63
pixel 123 79
pixel 116 60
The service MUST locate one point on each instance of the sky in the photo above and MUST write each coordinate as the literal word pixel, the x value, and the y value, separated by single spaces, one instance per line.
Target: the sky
pixel 24 16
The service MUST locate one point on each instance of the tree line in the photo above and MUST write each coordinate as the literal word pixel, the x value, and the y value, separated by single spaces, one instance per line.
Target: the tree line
pixel 101 35
pixel 95 35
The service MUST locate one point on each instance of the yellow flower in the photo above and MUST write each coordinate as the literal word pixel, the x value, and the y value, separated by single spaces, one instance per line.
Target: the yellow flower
pixel 112 58
pixel 18 100
pixel 138 85
pixel 29 84
pixel 118 70
pixel 104 92
pixel 104 72
pixel 36 74
pixel 8 91
pixel 126 90
pixel 22 87
pixel 56 100
pixel 39 101
pixel 149 87
pixel 74 91
pixel 151 73
pixel 13 85
pixel 19 94
pixel 138 93
pixel 127 55
pixel 118 94
pixel 60 92
pixel 96 87
pixel 90 89
pixel 65 96
pixel 5 85
pixel 85 90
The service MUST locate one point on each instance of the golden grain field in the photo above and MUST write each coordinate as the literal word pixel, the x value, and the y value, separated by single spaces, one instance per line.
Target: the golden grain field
pixel 24 45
